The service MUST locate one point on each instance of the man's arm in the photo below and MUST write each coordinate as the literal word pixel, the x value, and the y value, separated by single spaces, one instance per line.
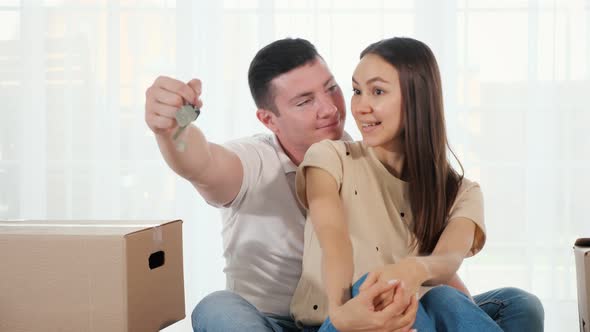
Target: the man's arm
pixel 459 285
pixel 214 171
pixel 438 268
pixel 452 247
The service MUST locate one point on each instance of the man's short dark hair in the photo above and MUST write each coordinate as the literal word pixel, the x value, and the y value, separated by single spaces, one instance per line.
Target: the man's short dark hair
pixel 273 60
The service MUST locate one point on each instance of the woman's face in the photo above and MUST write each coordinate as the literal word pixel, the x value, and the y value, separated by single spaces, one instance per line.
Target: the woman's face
pixel 377 102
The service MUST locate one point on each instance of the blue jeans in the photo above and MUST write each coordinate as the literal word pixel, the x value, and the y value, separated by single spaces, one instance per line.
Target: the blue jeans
pixel 511 308
pixel 226 311
pixel 443 308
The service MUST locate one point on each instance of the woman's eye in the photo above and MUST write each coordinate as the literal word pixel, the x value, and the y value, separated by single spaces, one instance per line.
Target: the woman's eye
pixel 356 91
pixel 379 91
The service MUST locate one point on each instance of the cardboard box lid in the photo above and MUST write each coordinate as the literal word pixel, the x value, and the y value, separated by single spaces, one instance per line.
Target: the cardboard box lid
pixel 78 227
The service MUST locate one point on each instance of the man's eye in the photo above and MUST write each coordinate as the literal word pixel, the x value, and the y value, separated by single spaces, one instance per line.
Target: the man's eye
pixel 333 88
pixel 303 102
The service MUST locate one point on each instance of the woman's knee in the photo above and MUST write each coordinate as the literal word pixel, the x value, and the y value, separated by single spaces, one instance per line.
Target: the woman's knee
pixel 444 292
pixel 357 285
pixel 445 297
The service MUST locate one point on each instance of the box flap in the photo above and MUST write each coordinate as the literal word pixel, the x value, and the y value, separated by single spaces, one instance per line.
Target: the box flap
pixel 77 227
pixel 153 226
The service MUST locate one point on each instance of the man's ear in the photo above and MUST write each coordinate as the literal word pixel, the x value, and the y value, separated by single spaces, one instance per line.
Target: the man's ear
pixel 268 119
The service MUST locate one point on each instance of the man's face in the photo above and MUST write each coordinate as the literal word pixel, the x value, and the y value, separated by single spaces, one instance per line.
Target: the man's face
pixel 310 105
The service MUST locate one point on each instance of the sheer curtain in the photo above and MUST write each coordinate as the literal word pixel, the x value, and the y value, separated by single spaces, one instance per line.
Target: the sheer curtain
pixel 74 145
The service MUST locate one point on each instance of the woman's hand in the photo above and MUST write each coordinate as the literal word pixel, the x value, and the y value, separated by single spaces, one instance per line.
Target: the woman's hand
pixel 360 314
pixel 409 272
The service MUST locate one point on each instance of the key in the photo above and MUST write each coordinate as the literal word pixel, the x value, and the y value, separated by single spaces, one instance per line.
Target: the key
pixel 180 146
pixel 178 132
pixel 184 116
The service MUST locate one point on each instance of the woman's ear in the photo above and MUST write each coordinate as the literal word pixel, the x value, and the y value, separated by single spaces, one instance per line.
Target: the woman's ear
pixel 268 119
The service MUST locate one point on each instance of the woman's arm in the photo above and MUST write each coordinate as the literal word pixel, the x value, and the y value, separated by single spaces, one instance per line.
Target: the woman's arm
pixel 328 219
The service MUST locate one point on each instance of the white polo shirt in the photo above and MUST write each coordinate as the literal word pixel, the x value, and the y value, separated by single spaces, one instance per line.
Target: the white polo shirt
pixel 263 227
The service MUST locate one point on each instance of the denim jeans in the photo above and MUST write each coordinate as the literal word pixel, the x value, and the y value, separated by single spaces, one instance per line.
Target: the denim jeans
pixel 226 311
pixel 443 308
pixel 511 308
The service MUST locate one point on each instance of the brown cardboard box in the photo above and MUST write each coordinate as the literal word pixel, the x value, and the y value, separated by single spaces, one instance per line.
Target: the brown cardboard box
pixel 90 276
pixel 582 254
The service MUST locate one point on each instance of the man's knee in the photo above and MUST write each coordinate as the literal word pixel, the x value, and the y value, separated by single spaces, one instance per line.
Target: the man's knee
pixel 226 311
pixel 211 308
pixel 529 304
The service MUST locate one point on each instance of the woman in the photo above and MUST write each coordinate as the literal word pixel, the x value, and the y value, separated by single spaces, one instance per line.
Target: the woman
pixel 391 204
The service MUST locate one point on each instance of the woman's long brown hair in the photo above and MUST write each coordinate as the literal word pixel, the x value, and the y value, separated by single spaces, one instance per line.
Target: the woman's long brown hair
pixel 433 183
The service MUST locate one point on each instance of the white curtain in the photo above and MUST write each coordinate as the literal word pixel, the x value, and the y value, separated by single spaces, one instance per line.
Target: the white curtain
pixel 74 144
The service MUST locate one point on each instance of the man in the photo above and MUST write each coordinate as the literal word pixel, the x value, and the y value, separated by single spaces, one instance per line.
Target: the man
pixel 252 181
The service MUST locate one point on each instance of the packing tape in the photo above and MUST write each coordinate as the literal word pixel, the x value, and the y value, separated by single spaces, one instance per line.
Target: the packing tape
pixel 157 232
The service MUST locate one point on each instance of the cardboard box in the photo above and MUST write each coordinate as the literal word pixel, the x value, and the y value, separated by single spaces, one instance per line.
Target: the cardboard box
pixel 582 254
pixel 90 276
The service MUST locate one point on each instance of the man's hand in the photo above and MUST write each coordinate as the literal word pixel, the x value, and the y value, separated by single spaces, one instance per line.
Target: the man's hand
pixel 215 171
pixel 164 98
pixel 359 314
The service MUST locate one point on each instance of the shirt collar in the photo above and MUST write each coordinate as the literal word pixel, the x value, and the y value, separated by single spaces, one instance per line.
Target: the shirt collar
pixel 286 162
